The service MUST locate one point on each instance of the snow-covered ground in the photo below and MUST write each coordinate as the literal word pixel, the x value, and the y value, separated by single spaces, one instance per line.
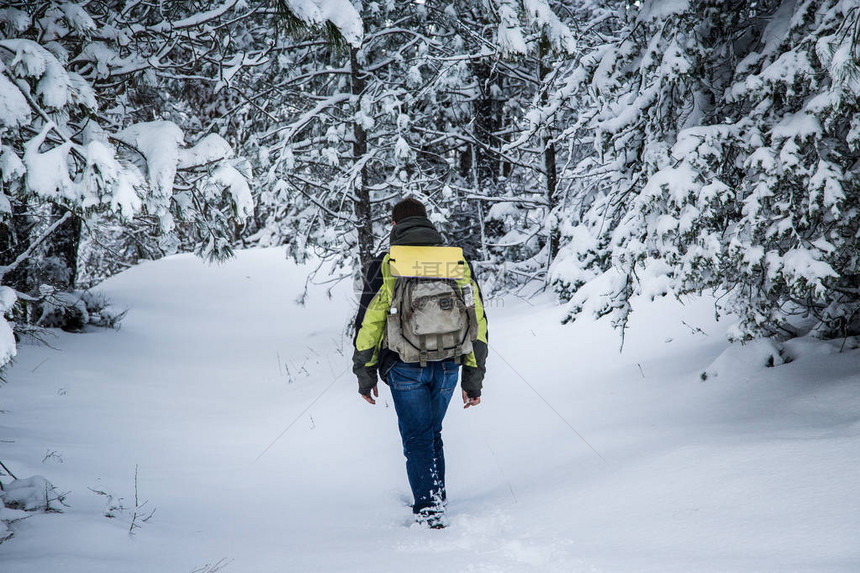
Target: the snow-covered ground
pixel 749 469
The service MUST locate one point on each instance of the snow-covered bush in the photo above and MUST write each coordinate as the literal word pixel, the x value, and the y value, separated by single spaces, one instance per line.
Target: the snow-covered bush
pixel 20 496
pixel 73 310
pixel 31 494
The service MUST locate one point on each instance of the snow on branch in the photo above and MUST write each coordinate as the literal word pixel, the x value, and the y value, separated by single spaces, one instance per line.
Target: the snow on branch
pixel 192 21
pixel 340 13
pixel 307 117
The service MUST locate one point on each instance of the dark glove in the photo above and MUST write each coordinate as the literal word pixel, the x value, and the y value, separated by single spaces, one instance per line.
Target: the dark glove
pixel 367 375
pixel 367 380
pixel 473 377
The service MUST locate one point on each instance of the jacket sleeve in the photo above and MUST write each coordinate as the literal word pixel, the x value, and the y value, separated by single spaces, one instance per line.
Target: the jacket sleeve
pixel 371 282
pixel 474 366
pixel 369 327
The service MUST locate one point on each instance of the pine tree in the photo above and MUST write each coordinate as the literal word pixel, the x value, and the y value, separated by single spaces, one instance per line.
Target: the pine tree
pixel 72 156
pixel 728 144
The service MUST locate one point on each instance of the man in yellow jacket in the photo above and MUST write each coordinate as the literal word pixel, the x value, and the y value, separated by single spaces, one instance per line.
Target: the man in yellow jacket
pixel 420 391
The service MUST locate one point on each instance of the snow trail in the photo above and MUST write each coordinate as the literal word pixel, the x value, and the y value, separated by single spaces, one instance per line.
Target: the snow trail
pixel 751 469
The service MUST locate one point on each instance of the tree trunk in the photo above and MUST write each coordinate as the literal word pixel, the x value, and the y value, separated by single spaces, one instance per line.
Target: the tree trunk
pixel 361 207
pixel 487 122
pixel 549 155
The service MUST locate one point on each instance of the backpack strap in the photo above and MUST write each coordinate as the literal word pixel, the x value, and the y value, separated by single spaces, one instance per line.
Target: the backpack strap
pixel 422 342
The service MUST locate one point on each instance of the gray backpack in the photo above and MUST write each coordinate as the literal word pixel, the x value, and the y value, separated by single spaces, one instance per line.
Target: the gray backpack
pixel 431 319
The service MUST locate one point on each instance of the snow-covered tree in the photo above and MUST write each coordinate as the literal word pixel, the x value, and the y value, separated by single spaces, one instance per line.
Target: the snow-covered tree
pixel 485 78
pixel 349 139
pixel 727 140
pixel 540 44
pixel 70 155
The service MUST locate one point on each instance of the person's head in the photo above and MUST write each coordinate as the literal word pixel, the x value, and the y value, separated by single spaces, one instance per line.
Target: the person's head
pixel 409 207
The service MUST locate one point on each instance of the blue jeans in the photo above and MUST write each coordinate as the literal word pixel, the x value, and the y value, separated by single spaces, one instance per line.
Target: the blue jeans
pixel 421 397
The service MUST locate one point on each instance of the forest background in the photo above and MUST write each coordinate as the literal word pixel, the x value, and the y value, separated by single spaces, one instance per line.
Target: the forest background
pixel 599 149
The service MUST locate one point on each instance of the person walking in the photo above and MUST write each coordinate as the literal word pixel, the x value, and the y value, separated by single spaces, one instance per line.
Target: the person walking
pixel 395 340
